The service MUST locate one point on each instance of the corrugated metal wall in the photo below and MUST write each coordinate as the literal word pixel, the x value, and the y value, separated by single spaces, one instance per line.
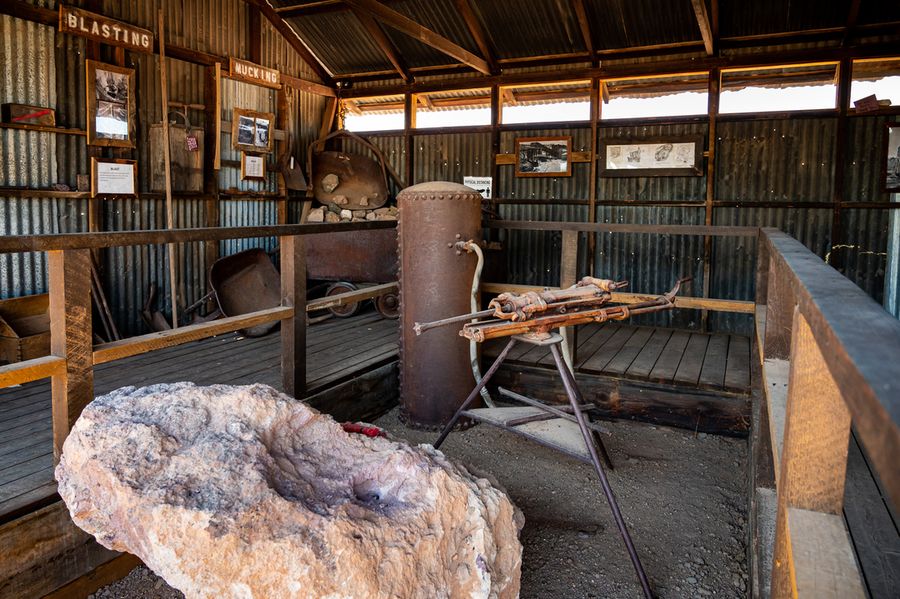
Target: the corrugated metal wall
pixel 50 72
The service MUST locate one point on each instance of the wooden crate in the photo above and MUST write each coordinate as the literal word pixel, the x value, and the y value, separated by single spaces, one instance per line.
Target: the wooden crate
pixel 23 114
pixel 24 328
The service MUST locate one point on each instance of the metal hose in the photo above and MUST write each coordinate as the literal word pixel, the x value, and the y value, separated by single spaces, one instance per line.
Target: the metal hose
pixel 470 246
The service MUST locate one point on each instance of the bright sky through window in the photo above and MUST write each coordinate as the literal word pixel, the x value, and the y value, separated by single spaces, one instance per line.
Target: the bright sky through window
pixel 547 113
pixel 684 103
pixel 777 99
pixel 471 117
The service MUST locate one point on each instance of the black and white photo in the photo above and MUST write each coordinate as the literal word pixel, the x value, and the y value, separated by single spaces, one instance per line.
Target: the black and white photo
pixel 110 104
pixel 262 133
pixel 251 131
pixel 246 130
pixel 543 157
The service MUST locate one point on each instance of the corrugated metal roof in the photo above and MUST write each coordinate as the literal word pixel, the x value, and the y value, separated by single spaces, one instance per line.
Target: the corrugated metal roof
pixel 631 23
pixel 739 18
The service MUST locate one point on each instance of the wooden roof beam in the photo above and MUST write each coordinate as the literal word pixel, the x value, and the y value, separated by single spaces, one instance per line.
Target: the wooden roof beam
pixel 404 24
pixel 852 18
pixel 585 25
pixel 705 26
pixel 478 34
pixel 384 42
pixel 293 39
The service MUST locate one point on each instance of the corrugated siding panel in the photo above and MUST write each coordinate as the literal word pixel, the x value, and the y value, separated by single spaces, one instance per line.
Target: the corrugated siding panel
pixel 785 160
pixel 865 159
pixel 533 257
pixel 864 247
pixel 652 263
pixel 247 213
pixel 651 189
pixel 451 156
pixel 393 147
pixel 576 187
pixel 734 258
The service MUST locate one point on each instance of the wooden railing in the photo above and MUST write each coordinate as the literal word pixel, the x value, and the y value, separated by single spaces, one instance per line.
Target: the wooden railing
pixel 830 359
pixel 73 354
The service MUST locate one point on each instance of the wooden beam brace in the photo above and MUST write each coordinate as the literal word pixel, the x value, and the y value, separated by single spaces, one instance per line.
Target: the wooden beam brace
pixel 404 24
pixel 385 43
pixel 70 339
pixel 478 34
pixel 705 25
pixel 585 25
pixel 254 34
pixel 293 330
pixel 293 39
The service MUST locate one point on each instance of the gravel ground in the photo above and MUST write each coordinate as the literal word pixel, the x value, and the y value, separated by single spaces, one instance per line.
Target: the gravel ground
pixel 681 494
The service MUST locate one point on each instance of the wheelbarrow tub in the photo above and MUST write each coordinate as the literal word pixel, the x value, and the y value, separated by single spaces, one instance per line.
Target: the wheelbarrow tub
pixel 246 282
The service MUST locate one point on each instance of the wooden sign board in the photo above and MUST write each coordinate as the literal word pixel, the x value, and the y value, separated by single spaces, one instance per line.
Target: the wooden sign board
pixel 103 29
pixel 244 70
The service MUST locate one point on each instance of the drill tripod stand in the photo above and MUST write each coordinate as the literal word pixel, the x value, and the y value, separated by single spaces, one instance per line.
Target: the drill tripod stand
pixel 547 425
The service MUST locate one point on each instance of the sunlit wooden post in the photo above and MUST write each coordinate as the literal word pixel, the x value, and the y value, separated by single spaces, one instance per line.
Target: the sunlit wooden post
pixel 780 304
pixel 293 330
pixel 813 555
pixel 568 276
pixel 70 339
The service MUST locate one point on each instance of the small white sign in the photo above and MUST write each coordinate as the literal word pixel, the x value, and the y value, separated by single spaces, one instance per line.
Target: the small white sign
pixel 115 178
pixel 480 184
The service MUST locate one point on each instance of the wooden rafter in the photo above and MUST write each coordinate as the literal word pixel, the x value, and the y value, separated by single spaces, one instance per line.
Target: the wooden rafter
pixel 852 18
pixel 478 34
pixel 292 38
pixel 585 25
pixel 705 26
pixel 385 43
pixel 404 24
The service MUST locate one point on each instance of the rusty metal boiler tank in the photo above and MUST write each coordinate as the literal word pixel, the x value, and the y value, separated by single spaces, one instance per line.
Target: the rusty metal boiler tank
pixel 435 283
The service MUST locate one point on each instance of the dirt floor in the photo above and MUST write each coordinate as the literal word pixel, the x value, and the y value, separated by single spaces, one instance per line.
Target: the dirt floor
pixel 683 496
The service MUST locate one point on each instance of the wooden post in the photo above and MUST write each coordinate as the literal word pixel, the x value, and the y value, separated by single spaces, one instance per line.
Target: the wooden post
pixel 409 124
pixel 714 85
pixel 293 330
pixel 282 121
pixel 167 165
pixel 780 304
pixel 813 466
pixel 70 339
pixel 844 81
pixel 213 115
pixel 568 275
pixel 592 197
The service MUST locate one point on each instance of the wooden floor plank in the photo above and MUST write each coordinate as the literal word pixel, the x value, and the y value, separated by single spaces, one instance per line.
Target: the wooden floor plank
pixel 36 460
pixel 712 374
pixel 645 361
pixel 622 361
pixel 607 330
pixel 336 350
pixel 688 372
pixel 668 361
pixel 597 362
pixel 737 370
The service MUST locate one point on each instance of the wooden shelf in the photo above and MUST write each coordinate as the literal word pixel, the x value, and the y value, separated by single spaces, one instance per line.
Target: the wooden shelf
pixel 19 192
pixel 43 128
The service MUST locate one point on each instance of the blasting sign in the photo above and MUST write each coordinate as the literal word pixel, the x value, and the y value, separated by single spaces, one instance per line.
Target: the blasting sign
pixel 254 73
pixel 103 29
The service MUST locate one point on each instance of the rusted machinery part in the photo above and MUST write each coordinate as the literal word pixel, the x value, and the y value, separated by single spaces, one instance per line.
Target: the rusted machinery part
pixel 347 310
pixel 348 181
pixel 318 145
pixel 388 305
pixel 435 280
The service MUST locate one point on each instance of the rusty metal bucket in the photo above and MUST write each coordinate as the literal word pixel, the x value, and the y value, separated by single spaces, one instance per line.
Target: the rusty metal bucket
pixel 246 282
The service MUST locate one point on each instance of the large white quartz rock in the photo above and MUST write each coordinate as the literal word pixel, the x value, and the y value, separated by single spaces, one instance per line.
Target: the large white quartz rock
pixel 245 492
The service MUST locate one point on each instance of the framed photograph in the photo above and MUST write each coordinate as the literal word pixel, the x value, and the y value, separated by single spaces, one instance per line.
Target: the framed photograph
pixel 113 176
pixel 891 176
pixel 253 166
pixel 251 131
pixel 543 156
pixel 658 157
pixel 110 105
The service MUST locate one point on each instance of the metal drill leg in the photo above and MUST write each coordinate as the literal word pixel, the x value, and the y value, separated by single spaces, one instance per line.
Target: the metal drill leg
pixel 603 453
pixel 475 392
pixel 574 398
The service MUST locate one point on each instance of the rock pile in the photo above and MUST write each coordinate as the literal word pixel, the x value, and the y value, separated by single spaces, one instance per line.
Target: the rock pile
pixel 244 492
pixel 335 214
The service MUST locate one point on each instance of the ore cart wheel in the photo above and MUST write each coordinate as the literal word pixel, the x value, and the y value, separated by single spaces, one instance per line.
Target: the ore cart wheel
pixel 388 305
pixel 343 311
